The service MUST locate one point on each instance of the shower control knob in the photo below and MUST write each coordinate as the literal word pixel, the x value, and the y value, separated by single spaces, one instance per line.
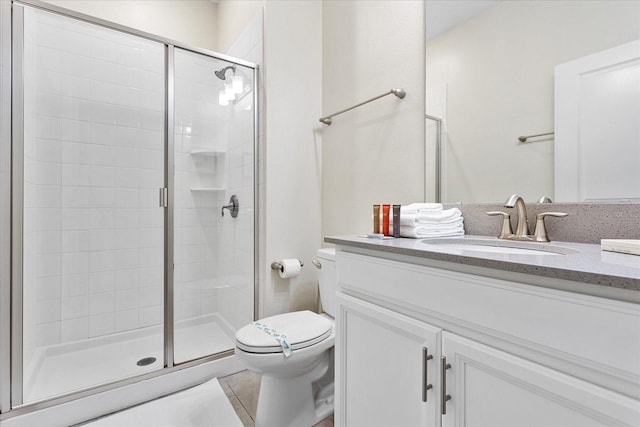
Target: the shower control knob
pixel 233 206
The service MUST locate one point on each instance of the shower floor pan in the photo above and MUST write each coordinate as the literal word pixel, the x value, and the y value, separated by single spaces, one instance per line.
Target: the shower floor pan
pixel 63 368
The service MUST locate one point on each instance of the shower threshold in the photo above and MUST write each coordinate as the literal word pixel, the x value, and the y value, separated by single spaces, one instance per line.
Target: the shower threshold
pixel 63 368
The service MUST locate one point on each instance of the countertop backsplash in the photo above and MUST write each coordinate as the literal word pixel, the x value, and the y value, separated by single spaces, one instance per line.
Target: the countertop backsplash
pixel 586 223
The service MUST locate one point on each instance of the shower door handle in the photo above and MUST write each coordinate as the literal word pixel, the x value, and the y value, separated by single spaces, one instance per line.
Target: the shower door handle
pixel 233 206
pixel 164 197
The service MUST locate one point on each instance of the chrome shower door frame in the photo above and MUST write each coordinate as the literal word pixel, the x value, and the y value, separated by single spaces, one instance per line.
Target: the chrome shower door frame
pixel 5 206
pixel 169 159
pixel 17 203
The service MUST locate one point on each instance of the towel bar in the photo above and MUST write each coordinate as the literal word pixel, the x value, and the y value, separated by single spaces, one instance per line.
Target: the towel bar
pixel 400 93
pixel 524 138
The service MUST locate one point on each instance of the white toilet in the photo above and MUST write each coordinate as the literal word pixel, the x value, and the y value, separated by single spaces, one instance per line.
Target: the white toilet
pixel 296 390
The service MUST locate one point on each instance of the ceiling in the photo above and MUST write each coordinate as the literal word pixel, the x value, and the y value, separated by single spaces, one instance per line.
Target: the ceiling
pixel 442 15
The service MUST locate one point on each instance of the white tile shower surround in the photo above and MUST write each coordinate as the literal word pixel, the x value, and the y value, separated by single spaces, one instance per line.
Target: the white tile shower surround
pixel 93 151
pixel 92 225
pixel 214 154
pixel 72 366
pixel 203 405
pixel 94 101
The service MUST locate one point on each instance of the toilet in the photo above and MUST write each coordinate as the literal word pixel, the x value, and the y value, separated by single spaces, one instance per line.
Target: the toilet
pixel 296 390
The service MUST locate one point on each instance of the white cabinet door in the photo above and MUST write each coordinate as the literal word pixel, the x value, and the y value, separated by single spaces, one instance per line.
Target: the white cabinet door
pixel 491 388
pixel 380 367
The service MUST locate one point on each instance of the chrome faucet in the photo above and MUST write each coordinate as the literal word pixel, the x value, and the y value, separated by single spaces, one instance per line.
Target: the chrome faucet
pixel 522 228
pixel 544 199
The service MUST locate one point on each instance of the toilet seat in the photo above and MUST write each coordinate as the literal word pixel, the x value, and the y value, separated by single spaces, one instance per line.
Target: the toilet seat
pixel 302 329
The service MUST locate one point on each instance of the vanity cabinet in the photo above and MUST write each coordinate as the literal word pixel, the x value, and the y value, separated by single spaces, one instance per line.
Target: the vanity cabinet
pixel 489 387
pixel 389 360
pixel 505 353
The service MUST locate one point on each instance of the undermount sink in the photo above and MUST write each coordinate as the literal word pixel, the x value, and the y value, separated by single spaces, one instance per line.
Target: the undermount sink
pixel 498 247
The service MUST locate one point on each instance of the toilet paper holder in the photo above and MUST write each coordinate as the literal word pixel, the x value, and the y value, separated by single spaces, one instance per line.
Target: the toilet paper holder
pixel 277 266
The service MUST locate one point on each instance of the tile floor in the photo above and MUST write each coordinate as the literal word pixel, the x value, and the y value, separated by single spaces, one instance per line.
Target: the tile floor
pixel 242 391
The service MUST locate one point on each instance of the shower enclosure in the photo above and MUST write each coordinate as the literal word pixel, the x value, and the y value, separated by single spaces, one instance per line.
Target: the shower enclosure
pixel 126 151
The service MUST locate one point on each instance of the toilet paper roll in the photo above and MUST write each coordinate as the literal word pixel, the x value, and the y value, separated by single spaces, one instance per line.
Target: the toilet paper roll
pixel 290 267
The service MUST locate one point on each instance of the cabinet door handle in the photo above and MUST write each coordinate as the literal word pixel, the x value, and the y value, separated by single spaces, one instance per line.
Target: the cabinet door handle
pixel 444 365
pixel 425 381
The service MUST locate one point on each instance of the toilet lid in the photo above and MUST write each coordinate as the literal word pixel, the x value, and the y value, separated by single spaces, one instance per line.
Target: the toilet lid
pixel 302 329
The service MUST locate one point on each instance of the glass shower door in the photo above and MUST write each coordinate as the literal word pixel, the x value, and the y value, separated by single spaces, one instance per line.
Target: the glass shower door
pixel 93 231
pixel 214 160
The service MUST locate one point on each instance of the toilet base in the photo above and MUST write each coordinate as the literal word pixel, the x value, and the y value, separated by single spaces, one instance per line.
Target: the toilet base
pixel 296 402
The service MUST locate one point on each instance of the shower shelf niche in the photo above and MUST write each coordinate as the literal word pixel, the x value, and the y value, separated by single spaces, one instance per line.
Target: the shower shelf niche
pixel 210 165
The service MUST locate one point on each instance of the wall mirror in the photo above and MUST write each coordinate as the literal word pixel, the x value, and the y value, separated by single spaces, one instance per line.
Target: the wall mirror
pixel 490 79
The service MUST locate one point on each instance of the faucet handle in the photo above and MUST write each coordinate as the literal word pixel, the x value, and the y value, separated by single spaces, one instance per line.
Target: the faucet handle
pixel 540 233
pixel 506 223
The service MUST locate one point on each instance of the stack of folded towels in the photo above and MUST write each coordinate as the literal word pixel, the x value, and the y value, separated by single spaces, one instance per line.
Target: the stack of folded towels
pixel 425 220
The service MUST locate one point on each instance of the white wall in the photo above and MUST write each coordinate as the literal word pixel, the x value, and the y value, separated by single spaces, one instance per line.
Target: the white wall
pixel 492 79
pixel 189 21
pixel 373 154
pixel 233 17
pixel 293 93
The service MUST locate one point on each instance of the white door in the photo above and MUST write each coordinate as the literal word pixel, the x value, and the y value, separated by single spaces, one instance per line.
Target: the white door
pixel 597 126
pixel 381 357
pixel 491 388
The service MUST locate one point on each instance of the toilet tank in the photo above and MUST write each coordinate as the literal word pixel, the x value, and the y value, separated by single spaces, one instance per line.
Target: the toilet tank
pixel 327 280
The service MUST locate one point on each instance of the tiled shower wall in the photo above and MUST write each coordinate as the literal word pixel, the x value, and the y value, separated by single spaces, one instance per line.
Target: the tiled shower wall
pixel 93 229
pixel 214 160
pixel 200 181
pixel 236 264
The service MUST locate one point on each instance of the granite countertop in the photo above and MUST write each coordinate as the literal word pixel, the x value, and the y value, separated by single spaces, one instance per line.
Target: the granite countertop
pixel 578 262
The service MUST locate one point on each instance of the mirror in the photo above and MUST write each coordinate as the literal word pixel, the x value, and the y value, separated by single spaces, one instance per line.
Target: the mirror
pixel 490 78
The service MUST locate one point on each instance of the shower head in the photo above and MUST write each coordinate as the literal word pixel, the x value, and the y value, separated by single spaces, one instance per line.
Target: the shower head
pixel 221 73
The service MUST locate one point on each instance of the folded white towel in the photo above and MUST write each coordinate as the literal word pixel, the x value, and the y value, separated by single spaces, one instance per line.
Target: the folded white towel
pixel 444 222
pixel 439 226
pixel 441 217
pixel 424 232
pixel 414 208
